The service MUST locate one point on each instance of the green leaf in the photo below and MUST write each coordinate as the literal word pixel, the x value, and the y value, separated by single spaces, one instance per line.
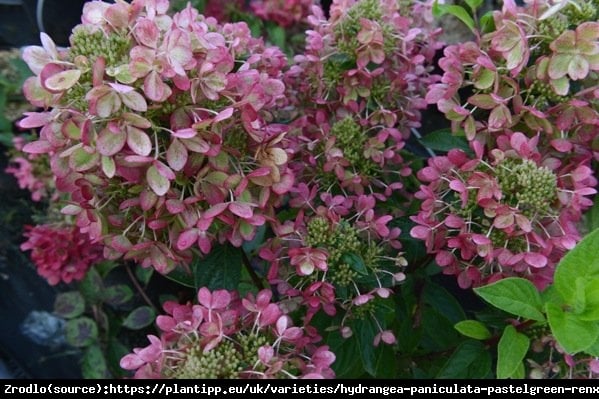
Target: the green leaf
pixel 220 269
pixel 365 331
pixel 443 302
pixel 144 274
pixel 580 262
pixel 469 360
pixel 473 329
pixel 105 267
pixel 434 321
pixel 593 350
pixel 276 35
pixel 592 215
pixel 180 276
pixel 81 332
pixel 69 304
pixel 511 351
pixel 356 263
pixel 514 295
pixel 93 364
pixel 487 22
pixel 474 4
pixel 591 293
pixel 91 286
pixel 573 334
pixel 444 140
pixel 457 11
pixel 346 352
pixel 116 295
pixel 139 318
pixel 114 353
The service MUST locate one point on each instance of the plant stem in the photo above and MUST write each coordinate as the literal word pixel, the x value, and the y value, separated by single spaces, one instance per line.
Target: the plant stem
pixel 139 288
pixel 251 271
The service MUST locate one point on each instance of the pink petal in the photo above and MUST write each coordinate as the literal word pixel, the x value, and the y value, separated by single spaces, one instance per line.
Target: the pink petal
pixel 420 232
pixel 241 209
pixel 220 299
pixel 265 353
pixel 535 259
pixel 131 362
pixel 187 239
pixel 215 210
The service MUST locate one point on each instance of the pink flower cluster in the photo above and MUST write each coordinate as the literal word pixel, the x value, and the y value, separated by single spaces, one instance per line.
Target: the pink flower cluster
pixel 31 172
pixel 360 86
pixel 284 12
pixel 510 212
pixel 530 120
pixel 224 336
pixel 161 129
pixel 60 253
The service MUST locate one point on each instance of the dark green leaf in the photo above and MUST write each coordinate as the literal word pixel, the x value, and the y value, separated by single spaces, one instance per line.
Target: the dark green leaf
pixel 69 304
pixel 92 286
pixel 469 360
pixel 144 274
pixel 515 295
pixel 573 334
pixel 105 267
pixel 93 364
pixel 511 351
pixel 580 262
pixel 182 277
pixel 346 352
pixel 444 140
pixel 118 294
pixel 114 353
pixel 81 332
pixel 251 246
pixel 139 318
pixel 356 263
pixel 365 330
pixel 457 11
pixel 473 329
pixel 220 269
pixel 433 322
pixel 443 302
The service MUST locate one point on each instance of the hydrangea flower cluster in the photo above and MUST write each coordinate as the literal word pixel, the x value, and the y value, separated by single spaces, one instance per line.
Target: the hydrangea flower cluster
pixel 508 213
pixel 31 171
pixel 160 129
pixel 531 120
pixel 60 253
pixel 360 86
pixel 284 12
pixel 224 336
pixel 536 72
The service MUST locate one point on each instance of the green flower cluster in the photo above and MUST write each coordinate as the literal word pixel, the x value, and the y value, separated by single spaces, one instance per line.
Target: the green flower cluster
pixel 224 361
pixel 114 48
pixel 527 186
